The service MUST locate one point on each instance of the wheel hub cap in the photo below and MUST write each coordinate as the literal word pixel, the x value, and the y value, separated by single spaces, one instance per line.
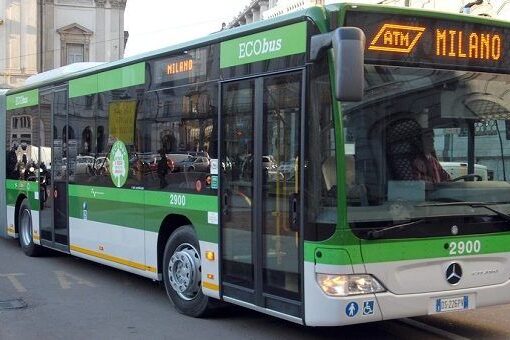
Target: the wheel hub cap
pixel 184 271
pixel 26 228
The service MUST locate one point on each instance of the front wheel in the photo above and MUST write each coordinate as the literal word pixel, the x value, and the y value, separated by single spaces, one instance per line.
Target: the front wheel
pixel 182 272
pixel 26 238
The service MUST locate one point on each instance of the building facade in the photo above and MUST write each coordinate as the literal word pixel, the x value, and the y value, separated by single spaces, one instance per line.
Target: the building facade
pixel 18 41
pixel 81 31
pixel 266 9
pixel 40 35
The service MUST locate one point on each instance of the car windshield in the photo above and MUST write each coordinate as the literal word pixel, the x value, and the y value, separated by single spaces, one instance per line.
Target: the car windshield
pixel 423 139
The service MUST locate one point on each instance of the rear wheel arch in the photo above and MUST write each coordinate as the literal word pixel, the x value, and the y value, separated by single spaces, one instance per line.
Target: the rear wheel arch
pixel 26 239
pixel 19 200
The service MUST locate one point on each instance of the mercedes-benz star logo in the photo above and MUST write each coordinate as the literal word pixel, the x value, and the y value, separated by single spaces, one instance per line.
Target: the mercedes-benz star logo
pixel 453 273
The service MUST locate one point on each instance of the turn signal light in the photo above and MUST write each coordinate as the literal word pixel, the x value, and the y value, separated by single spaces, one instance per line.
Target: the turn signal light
pixel 209 255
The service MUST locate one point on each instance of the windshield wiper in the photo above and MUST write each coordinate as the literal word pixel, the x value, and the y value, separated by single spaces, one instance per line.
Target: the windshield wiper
pixel 468 204
pixel 375 234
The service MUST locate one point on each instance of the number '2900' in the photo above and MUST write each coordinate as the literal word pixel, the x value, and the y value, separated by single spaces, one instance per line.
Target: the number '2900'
pixel 465 247
pixel 178 200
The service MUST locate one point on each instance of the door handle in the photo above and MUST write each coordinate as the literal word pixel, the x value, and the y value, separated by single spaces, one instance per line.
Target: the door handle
pixel 226 205
pixel 294 212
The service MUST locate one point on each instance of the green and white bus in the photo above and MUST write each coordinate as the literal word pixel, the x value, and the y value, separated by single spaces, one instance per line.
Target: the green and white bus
pixel 291 166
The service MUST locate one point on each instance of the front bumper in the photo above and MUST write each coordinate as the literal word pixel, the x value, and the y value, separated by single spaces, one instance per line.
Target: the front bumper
pixel 324 310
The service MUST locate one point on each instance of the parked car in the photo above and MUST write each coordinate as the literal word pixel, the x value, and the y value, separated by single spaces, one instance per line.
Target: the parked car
pixel 198 153
pixel 82 164
pixel 199 163
pixel 288 169
pixel 177 159
pixel 269 163
pixel 153 163
pixel 458 169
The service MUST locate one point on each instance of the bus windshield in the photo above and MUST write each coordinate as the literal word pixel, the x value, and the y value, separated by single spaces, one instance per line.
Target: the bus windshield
pixel 427 153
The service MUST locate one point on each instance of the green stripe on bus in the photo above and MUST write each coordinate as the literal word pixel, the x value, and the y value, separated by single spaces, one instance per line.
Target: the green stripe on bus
pixel 142 209
pixel 15 188
pixel 411 249
pixel 110 80
pixel 154 198
pixel 104 193
pixel 21 185
pixel 23 99
pixel 11 196
pixel 83 86
pixel 122 77
pixel 279 42
pixel 191 201
pixel 408 249
pixel 138 216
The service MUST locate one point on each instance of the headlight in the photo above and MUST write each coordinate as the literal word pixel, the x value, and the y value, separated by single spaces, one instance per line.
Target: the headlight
pixel 345 285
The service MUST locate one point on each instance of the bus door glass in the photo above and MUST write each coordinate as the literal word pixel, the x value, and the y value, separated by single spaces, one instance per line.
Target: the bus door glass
pixel 261 120
pixel 55 144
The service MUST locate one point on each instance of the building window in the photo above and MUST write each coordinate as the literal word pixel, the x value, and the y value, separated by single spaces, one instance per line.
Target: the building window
pixel 75 53
pixel 75 44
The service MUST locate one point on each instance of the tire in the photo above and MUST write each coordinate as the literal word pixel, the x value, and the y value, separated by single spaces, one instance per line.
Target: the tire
pixel 182 272
pixel 26 239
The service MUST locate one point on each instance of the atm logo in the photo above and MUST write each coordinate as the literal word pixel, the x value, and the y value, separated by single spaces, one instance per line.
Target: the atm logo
pixel 396 38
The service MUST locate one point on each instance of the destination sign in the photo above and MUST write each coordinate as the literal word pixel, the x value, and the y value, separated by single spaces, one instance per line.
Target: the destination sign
pixel 417 41
pixel 176 68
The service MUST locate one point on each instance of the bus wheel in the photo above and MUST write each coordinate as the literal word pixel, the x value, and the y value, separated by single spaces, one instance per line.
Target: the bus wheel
pixel 26 239
pixel 182 272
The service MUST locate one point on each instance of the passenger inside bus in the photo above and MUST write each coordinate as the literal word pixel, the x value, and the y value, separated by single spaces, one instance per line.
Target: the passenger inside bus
pixel 410 152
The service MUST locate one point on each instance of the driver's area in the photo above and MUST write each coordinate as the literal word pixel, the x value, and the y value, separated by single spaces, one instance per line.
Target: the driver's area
pixel 427 146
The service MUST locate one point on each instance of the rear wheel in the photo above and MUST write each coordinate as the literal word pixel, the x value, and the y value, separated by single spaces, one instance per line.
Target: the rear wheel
pixel 26 237
pixel 182 272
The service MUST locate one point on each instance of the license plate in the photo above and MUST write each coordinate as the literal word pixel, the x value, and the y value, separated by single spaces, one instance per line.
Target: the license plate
pixel 452 304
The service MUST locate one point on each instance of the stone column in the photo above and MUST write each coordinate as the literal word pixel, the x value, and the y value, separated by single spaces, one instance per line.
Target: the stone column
pixel 49 49
pixel 264 6
pixel 117 29
pixel 255 13
pixel 248 17
pixel 122 39
pixel 100 33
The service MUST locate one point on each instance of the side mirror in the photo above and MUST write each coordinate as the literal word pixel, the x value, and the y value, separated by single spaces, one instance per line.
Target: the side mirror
pixel 349 52
pixel 348 45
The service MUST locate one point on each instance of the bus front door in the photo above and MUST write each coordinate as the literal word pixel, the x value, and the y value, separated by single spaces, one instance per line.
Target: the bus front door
pixel 260 190
pixel 55 143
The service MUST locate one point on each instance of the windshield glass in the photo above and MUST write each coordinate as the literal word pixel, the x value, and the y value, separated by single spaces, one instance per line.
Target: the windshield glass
pixel 421 144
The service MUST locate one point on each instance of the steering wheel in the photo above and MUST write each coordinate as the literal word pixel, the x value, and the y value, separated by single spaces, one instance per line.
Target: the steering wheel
pixel 468 176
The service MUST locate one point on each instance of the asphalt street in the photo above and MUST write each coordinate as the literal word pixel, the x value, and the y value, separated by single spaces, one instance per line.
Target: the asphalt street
pixel 63 297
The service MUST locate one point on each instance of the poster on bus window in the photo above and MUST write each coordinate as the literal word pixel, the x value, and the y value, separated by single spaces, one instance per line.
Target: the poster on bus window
pixel 121 120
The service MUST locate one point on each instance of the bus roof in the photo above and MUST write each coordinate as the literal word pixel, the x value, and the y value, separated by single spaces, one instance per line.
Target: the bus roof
pixel 318 14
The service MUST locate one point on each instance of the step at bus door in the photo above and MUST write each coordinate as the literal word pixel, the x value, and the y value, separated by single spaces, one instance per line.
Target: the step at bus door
pixel 261 192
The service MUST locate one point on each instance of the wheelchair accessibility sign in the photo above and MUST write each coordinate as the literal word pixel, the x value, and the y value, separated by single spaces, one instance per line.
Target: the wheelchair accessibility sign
pixel 368 307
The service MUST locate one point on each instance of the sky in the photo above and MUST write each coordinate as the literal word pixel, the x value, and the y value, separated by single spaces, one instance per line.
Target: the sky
pixel 153 24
